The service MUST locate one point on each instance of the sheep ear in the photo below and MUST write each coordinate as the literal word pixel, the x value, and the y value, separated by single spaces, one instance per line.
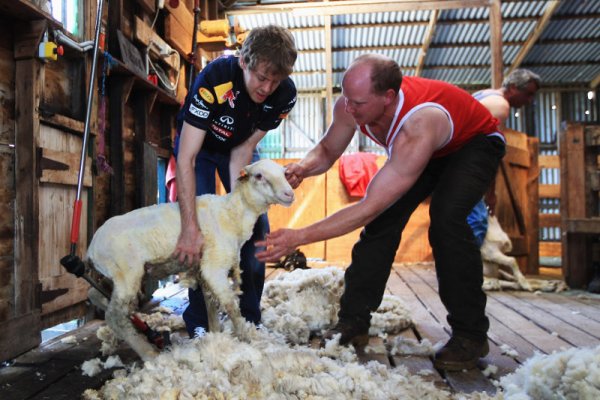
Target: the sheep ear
pixel 244 175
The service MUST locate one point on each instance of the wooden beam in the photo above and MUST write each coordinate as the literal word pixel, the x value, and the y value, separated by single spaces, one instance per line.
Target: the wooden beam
pixel 61 167
pixel 30 35
pixel 537 31
pixel 548 191
pixel 183 16
pixel 594 83
pixel 355 7
pixel 460 21
pixel 582 225
pixel 19 334
pixel 532 219
pixel 177 36
pixel 328 73
pixel 117 87
pixel 29 82
pixel 496 43
pixel 429 34
pixel 550 220
pixel 549 161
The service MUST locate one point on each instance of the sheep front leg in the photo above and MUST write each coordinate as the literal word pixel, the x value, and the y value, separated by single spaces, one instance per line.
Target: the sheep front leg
pixel 508 262
pixel 117 318
pixel 217 283
pixel 212 308
pixel 236 277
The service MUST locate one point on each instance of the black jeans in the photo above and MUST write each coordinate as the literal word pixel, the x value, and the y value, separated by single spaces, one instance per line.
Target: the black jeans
pixel 456 182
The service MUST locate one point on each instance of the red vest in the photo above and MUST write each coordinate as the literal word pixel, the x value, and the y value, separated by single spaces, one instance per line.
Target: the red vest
pixel 467 116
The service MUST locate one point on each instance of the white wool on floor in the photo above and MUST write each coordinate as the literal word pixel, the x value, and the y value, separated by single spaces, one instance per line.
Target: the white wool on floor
pixel 162 319
pixel 407 346
pixel 509 351
pixel 572 374
pixel 71 339
pixel 95 366
pixel 307 300
pixel 218 366
pixel 110 342
pixel 91 367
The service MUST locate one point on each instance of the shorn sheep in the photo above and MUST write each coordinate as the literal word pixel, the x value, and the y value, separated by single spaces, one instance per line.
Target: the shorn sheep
pixel 501 271
pixel 142 241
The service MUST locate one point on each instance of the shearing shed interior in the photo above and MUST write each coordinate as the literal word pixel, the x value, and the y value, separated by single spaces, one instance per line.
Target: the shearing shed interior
pixel 90 93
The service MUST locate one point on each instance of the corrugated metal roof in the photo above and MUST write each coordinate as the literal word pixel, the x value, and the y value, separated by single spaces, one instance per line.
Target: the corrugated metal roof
pixel 460 43
pixel 572 29
pixel 453 56
pixel 378 18
pixel 474 76
pixel 558 53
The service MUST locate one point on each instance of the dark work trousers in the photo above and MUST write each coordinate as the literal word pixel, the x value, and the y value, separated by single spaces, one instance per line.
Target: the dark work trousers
pixel 456 182
pixel 253 272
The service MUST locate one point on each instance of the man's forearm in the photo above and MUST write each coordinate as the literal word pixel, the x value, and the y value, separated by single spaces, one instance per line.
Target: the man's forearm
pixel 186 188
pixel 316 162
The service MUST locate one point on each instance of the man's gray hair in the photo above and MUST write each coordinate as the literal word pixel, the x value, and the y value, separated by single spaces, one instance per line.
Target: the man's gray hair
pixel 519 78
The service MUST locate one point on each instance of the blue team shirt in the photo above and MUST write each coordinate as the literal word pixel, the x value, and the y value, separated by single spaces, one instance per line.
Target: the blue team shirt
pixel 219 104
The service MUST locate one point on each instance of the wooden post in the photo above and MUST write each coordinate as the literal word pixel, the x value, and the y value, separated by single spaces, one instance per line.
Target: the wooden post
pixel 496 43
pixel 533 217
pixel 22 332
pixel 328 73
pixel 117 111
pixel 576 249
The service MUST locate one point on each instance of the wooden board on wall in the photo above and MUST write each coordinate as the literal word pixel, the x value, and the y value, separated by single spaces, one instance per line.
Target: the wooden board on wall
pixel 414 245
pixel 521 180
pixel 306 209
pixel 55 215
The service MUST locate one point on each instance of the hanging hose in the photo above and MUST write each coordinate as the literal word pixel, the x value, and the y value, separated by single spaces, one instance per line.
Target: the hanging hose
pixel 101 160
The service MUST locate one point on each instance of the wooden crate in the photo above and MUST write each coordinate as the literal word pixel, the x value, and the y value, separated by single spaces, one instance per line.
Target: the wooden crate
pixel 580 220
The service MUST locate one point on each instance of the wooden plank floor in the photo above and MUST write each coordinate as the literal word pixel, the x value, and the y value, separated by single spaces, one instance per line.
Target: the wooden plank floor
pixel 525 322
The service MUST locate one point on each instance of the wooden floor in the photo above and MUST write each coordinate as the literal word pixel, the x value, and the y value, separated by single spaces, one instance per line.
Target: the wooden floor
pixel 526 322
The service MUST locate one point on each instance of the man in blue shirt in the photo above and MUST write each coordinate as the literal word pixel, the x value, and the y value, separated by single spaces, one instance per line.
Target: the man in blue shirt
pixel 232 104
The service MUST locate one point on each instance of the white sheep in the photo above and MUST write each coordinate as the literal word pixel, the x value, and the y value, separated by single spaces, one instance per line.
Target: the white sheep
pixel 501 271
pixel 142 241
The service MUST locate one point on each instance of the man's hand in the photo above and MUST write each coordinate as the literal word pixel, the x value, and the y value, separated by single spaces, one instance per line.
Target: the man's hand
pixel 278 244
pixel 490 201
pixel 189 246
pixel 294 174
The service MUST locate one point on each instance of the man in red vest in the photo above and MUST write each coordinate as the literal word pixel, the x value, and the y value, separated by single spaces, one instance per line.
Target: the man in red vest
pixel 440 142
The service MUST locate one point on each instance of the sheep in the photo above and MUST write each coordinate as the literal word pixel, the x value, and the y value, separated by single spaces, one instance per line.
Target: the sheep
pixel 141 242
pixel 501 271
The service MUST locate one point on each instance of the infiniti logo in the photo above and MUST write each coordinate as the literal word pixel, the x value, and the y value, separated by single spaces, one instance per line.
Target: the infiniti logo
pixel 226 119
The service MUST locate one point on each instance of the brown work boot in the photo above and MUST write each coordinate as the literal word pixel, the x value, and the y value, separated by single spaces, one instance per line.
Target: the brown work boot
pixel 460 353
pixel 352 333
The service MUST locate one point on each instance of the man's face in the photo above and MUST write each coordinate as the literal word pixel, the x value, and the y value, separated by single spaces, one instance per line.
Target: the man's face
pixel 259 82
pixel 364 105
pixel 518 98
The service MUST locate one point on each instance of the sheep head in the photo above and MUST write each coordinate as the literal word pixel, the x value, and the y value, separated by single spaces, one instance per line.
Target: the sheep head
pixel 268 178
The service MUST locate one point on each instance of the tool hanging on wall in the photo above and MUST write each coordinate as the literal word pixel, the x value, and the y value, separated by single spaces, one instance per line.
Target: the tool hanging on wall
pixel 71 261
pixel 68 260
